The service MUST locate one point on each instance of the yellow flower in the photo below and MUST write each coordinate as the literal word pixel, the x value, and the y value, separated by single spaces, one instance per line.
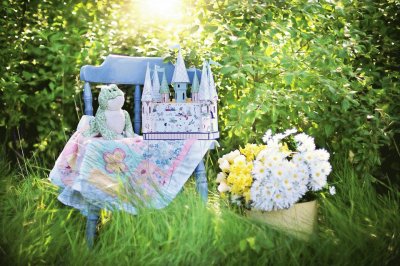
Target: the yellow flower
pixel 251 150
pixel 240 178
pixel 246 195
pixel 231 156
pixel 285 149
pixel 237 170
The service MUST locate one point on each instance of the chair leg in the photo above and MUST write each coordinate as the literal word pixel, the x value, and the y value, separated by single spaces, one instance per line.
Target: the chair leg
pixel 201 181
pixel 91 224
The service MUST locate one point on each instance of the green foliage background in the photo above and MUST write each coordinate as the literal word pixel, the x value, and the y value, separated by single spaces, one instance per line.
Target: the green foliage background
pixel 329 68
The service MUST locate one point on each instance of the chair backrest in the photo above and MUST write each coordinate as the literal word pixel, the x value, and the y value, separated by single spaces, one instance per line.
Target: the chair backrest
pixel 120 69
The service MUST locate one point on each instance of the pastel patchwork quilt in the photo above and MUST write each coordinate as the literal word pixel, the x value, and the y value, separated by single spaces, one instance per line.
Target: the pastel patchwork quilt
pixel 125 174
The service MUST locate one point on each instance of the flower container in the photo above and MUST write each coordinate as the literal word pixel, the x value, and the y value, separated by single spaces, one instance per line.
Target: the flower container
pixel 270 179
pixel 299 220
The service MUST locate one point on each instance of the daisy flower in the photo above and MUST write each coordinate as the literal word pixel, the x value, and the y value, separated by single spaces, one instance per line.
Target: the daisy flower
pixel 304 142
pixel 276 175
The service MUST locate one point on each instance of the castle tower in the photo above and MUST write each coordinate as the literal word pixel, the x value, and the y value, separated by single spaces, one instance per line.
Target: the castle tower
pixel 164 89
pixel 212 88
pixel 195 88
pixel 156 86
pixel 204 91
pixel 214 100
pixel 180 79
pixel 146 102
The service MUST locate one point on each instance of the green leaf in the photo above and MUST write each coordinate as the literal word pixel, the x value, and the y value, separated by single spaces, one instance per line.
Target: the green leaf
pixel 228 69
pixel 211 28
pixel 289 77
pixel 27 75
pixel 243 245
pixel 194 29
pixel 274 117
pixel 252 243
pixel 345 105
pixel 328 130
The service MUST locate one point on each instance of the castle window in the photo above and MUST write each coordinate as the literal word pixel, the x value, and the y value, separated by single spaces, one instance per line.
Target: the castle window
pixel 179 86
pixel 149 110
pixel 183 96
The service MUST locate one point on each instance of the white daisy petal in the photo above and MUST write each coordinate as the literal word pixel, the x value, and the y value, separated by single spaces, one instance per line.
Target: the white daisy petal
pixel 221 177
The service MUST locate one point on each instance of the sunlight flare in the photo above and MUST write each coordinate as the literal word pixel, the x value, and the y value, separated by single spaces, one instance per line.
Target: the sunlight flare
pixel 160 10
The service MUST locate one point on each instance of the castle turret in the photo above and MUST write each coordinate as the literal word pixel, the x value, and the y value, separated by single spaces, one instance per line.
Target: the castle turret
pixel 164 89
pixel 146 101
pixel 180 79
pixel 204 90
pixel 212 88
pixel 195 88
pixel 214 101
pixel 147 88
pixel 156 86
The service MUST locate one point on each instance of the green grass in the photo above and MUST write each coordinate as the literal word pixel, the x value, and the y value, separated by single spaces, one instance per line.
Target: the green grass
pixel 356 227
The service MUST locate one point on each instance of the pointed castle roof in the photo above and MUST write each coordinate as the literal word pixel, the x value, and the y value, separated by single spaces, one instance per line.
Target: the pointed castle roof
pixel 147 88
pixel 213 91
pixel 204 91
pixel 180 73
pixel 195 83
pixel 164 84
pixel 156 85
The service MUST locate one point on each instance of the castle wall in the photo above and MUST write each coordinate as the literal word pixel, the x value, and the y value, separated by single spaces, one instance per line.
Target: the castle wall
pixel 178 117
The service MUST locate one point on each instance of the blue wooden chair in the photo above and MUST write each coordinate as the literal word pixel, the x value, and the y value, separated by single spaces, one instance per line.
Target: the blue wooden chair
pixel 128 71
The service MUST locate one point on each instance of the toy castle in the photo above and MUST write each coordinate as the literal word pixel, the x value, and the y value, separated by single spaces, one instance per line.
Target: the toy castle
pixel 183 117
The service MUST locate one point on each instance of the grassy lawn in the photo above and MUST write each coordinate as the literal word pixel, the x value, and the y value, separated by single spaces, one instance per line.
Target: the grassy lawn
pixel 357 226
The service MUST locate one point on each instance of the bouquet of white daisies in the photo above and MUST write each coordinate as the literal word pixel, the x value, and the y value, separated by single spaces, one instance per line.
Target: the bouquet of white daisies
pixel 276 175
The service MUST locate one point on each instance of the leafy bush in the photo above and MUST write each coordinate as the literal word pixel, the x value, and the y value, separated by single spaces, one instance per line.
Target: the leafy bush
pixel 42 51
pixel 311 65
pixel 44 45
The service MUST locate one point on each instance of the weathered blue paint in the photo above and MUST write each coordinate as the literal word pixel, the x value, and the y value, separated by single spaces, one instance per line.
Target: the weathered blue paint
pixel 88 99
pixel 91 224
pixel 120 69
pixel 137 110
pixel 201 181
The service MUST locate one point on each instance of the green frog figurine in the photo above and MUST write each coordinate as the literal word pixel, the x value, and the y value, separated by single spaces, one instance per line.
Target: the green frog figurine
pixel 111 121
